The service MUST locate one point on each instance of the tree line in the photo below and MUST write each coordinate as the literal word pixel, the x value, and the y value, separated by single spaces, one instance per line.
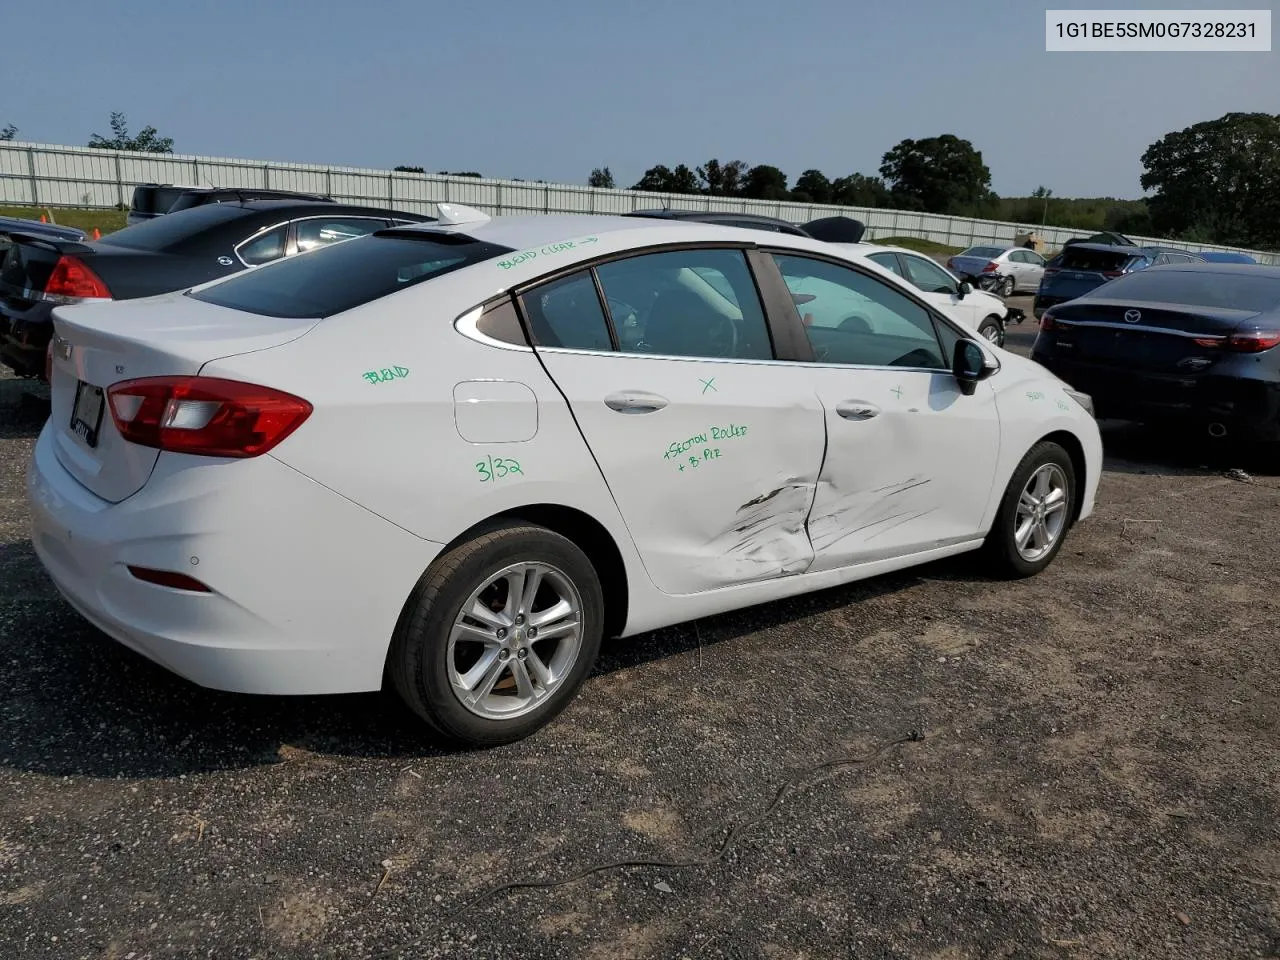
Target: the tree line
pixel 1213 182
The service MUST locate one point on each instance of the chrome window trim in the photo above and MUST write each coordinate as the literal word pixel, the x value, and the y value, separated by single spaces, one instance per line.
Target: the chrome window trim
pixel 467 324
pixel 1109 325
pixel 248 240
pixel 806 364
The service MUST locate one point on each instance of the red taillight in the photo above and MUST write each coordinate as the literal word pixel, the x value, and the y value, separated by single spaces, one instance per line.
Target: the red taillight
pixel 1047 322
pixel 1252 341
pixel 204 415
pixel 990 268
pixel 951 263
pixel 1050 270
pixel 72 278
pixel 1112 274
pixel 167 578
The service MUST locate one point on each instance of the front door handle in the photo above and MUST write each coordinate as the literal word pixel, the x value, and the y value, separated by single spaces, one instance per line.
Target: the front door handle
pixel 856 410
pixel 635 401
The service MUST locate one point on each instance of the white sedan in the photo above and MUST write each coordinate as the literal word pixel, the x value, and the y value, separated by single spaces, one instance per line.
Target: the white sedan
pixel 976 309
pixel 459 454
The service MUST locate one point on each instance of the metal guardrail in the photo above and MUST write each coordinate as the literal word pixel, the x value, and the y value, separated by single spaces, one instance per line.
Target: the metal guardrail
pixel 33 174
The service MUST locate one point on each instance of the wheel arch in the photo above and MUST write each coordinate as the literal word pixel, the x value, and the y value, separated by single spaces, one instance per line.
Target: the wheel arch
pixel 589 534
pixel 1075 450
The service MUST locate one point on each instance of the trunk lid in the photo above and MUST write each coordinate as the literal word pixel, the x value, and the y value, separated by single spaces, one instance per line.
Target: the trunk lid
pixel 27 265
pixel 968 266
pixel 1151 337
pixel 97 345
pixel 1077 270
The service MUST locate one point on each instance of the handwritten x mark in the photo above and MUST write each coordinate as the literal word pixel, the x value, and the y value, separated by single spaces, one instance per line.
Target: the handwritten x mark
pixel 708 385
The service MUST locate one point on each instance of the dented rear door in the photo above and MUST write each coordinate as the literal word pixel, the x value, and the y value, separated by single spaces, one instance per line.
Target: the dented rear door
pixel 712 461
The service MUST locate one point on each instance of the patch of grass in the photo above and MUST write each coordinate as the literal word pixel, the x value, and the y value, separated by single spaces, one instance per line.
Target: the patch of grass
pixel 915 243
pixel 104 220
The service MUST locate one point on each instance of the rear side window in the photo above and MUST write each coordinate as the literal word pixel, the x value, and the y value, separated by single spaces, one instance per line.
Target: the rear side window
pixel 343 276
pixel 567 313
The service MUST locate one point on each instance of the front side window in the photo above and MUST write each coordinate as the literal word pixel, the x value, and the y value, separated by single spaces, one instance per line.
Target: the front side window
pixel 852 318
pixel 928 276
pixel 686 303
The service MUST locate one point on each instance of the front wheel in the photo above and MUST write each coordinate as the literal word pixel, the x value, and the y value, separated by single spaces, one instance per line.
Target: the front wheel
pixel 499 635
pixel 1007 288
pixel 992 329
pixel 1034 514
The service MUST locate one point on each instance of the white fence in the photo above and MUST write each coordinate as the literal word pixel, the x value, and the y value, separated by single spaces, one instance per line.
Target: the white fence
pixel 39 175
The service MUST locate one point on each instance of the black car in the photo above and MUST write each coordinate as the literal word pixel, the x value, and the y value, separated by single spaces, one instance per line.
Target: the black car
pixel 1196 344
pixel 835 229
pixel 151 200
pixel 172 252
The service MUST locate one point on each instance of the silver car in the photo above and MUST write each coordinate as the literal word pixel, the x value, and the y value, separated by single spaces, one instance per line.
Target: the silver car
pixel 1019 269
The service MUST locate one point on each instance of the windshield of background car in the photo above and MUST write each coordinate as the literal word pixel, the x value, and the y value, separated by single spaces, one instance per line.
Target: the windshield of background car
pixel 345 275
pixel 1073 258
pixel 1228 291
pixel 169 232
pixel 988 252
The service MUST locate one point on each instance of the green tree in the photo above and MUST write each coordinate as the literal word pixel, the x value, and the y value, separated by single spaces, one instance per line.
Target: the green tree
pixel 148 139
pixel 940 174
pixel 764 182
pixel 857 190
pixel 9 132
pixel 1218 180
pixel 662 179
pixel 462 173
pixel 721 179
pixel 601 177
pixel 404 169
pixel 812 186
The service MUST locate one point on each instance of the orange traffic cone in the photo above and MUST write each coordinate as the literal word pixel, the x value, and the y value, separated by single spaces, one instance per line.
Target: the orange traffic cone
pixel 97 235
pixel 42 219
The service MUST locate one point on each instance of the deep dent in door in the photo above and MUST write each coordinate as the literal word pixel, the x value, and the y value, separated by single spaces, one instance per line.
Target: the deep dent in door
pixel 870 513
pixel 768 537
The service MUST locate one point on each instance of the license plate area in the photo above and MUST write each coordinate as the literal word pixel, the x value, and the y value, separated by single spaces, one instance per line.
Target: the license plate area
pixel 86 412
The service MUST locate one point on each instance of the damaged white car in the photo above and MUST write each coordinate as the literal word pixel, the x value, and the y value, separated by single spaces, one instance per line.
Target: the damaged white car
pixel 457 455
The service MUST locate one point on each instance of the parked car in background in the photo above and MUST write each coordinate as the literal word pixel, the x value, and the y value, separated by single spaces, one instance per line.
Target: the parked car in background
pixel 457 455
pixel 154 200
pixel 11 225
pixel 1019 270
pixel 1195 344
pixel 172 252
pixel 837 229
pixel 1225 256
pixel 1082 266
pixel 981 312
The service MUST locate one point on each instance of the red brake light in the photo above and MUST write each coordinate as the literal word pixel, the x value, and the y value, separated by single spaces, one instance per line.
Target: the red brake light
pixel 990 268
pixel 72 279
pixel 1049 270
pixel 204 415
pixel 951 263
pixel 1253 341
pixel 1113 273
pixel 1046 321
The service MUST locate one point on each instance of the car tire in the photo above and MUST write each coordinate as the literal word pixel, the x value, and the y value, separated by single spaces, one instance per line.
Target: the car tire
pixel 440 657
pixel 992 330
pixel 1008 287
pixel 1046 471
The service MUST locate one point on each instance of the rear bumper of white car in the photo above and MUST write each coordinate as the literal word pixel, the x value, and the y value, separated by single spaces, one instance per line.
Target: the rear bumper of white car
pixel 305 586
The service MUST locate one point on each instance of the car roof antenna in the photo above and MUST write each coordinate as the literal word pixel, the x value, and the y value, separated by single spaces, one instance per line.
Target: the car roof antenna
pixel 455 213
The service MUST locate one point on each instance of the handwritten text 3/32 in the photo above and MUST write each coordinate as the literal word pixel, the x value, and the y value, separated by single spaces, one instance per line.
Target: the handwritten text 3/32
pixel 492 469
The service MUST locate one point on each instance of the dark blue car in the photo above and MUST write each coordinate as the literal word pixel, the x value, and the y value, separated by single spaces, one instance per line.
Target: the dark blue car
pixel 1196 344
pixel 1082 266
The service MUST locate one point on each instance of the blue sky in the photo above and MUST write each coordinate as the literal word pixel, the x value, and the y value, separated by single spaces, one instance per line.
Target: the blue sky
pixel 513 88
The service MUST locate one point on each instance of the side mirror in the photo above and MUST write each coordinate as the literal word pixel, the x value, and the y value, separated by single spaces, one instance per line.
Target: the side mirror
pixel 969 365
pixel 966 288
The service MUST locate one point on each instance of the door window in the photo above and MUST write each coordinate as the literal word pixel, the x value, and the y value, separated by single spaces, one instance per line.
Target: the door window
pixel 567 313
pixel 852 318
pixel 314 233
pixel 686 303
pixel 889 261
pixel 265 248
pixel 928 276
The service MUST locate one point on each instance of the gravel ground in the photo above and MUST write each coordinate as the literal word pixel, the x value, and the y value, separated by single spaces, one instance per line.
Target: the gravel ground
pixel 1079 765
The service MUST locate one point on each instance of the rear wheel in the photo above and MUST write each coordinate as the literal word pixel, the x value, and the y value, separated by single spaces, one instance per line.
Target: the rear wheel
pixel 499 635
pixel 1034 514
pixel 1007 288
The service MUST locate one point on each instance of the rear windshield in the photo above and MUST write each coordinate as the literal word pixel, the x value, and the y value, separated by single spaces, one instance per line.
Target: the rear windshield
pixel 1073 258
pixel 1228 291
pixel 988 252
pixel 155 199
pixel 172 230
pixel 345 275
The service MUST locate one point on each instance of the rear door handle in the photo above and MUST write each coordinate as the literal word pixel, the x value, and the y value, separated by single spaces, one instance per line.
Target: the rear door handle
pixel 635 401
pixel 856 410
